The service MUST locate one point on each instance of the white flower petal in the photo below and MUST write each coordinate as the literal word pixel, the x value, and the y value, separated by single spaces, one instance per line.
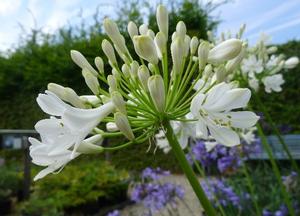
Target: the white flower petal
pixel 224 136
pixel 243 119
pixel 51 104
pixel 196 104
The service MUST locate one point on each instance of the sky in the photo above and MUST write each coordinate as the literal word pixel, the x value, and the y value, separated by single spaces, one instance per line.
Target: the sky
pixel 280 18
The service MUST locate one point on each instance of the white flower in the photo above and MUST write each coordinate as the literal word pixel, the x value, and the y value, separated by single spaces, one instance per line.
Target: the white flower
pixel 248 135
pixel 273 62
pixel 213 111
pixel 53 150
pixel 291 62
pixel 76 123
pixel 252 65
pixel 273 83
pixel 253 83
pixel 162 142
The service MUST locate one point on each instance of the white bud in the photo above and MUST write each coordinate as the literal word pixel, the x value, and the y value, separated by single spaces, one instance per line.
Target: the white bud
pixel 272 49
pixel 123 125
pixel 174 36
pixel 181 29
pixel 291 62
pixel 132 29
pixel 241 31
pixel 220 74
pixel 162 20
pixel 143 75
pixel 177 55
pixel 126 70
pixel 157 91
pixel 91 145
pixel 134 66
pixel 114 34
pixel 203 51
pixel 145 48
pixel 160 44
pixel 187 41
pixel 111 127
pixel 119 102
pixel 143 29
pixel 225 51
pixel 109 51
pixel 91 81
pixel 99 64
pixel 151 34
pixel 81 61
pixel 112 82
pixel 66 94
pixel 234 63
pixel 207 71
pixel 194 45
pixel 116 74
pixel 151 68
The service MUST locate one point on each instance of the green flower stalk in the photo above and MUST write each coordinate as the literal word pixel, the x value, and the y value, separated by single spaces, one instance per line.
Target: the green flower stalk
pixel 185 98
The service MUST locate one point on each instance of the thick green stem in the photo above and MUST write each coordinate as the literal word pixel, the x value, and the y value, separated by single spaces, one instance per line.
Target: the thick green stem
pixel 275 130
pixel 275 169
pixel 176 148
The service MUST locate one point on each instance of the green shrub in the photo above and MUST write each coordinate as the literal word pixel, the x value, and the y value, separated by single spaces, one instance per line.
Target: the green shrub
pixel 10 182
pixel 85 181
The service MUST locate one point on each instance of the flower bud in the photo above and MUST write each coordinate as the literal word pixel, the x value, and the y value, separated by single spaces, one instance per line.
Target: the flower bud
pixel 119 102
pixel 187 41
pixel 91 81
pixel 112 82
pixel 234 63
pixel 113 33
pixel 225 51
pixel 291 62
pixel 109 51
pixel 151 34
pixel 66 94
pixel 181 29
pixel 99 64
pixel 116 74
pixel 177 55
pixel 151 68
pixel 220 74
pixel 111 127
pixel 132 29
pixel 126 70
pixel 174 36
pixel 81 61
pixel 160 44
pixel 145 48
pixel 157 91
pixel 91 145
pixel 143 75
pixel 272 49
pixel 162 20
pixel 203 51
pixel 143 29
pixel 241 31
pixel 123 125
pixel 194 45
pixel 134 66
pixel 207 72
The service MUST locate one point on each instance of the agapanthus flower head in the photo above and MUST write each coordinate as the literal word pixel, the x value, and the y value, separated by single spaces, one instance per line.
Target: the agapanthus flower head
pixel 145 93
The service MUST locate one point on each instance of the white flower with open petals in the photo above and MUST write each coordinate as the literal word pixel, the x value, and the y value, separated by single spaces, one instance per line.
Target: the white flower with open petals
pixel 273 83
pixel 252 65
pixel 76 123
pixel 215 118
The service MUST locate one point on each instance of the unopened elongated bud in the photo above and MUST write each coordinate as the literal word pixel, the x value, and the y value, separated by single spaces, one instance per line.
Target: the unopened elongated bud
pixel 181 30
pixel 91 145
pixel 145 48
pixel 177 55
pixel 234 63
pixel 99 64
pixel 91 81
pixel 220 74
pixel 203 51
pixel 112 82
pixel 134 66
pixel 194 45
pixel 225 51
pixel 81 61
pixel 126 70
pixel 187 41
pixel 143 29
pixel 291 62
pixel 162 20
pixel 151 34
pixel 160 44
pixel 157 91
pixel 109 51
pixel 123 125
pixel 114 34
pixel 119 102
pixel 272 49
pixel 132 29
pixel 143 75
pixel 66 94
pixel 207 71
pixel 111 127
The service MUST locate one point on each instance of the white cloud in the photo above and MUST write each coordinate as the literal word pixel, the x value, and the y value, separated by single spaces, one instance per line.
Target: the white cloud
pixel 8 7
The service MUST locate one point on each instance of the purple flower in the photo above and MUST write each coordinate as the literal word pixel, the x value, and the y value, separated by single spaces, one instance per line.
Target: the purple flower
pixel 267 213
pixel 114 213
pixel 154 174
pixel 229 164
